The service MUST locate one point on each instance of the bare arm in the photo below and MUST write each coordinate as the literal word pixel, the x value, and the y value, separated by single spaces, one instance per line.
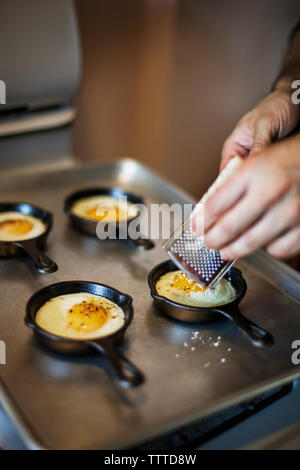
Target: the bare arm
pixel 291 65
pixel 273 118
pixel 259 206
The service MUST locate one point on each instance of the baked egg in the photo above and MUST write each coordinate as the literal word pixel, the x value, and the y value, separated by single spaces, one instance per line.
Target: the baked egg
pixel 15 226
pixel 180 288
pixel 80 316
pixel 104 209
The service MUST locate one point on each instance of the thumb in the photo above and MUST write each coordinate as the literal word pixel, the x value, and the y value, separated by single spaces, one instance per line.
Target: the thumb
pixel 231 148
pixel 262 137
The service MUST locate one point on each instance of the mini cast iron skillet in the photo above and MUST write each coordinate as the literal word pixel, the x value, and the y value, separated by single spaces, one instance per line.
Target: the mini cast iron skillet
pixel 90 226
pixel 257 335
pixel 32 247
pixel 125 370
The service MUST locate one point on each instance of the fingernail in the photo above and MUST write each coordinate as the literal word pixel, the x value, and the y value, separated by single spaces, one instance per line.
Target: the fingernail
pixel 194 225
pixel 206 228
pixel 207 241
pixel 197 220
pixel 224 254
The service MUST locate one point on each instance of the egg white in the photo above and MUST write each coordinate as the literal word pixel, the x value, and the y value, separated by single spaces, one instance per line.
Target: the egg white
pixel 127 210
pixel 52 316
pixel 221 294
pixel 38 227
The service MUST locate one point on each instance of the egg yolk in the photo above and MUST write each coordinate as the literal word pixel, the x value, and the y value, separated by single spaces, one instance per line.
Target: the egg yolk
pixel 109 214
pixel 86 317
pixel 15 227
pixel 184 283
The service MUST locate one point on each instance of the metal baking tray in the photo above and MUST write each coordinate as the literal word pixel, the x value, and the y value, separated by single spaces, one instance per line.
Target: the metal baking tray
pixel 63 403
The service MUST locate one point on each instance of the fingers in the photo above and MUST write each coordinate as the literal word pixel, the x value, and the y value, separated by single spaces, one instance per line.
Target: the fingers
pixel 227 217
pixel 275 116
pixel 286 245
pixel 232 224
pixel 224 197
pixel 274 222
pixel 262 136
pixel 230 149
pixel 238 143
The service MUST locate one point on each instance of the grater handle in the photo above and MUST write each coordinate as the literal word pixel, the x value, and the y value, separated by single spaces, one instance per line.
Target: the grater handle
pixel 255 333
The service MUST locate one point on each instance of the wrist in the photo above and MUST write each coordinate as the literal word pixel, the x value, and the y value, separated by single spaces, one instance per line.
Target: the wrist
pixel 284 92
pixel 283 114
pixel 284 85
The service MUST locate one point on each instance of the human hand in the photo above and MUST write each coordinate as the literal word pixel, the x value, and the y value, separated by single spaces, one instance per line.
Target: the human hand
pixel 258 206
pixel 273 118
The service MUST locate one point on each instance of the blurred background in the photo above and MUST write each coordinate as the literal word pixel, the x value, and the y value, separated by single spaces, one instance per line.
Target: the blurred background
pixel 164 81
pixel 161 81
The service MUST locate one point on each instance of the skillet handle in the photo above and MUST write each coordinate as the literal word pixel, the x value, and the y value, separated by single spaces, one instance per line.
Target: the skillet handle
pixel 41 261
pixel 125 370
pixel 258 336
pixel 143 243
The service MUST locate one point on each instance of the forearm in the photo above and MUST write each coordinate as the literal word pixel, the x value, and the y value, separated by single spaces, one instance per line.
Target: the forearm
pixel 291 66
pixel 276 116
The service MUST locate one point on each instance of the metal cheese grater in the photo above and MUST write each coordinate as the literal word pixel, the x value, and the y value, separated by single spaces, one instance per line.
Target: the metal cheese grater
pixel 189 252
